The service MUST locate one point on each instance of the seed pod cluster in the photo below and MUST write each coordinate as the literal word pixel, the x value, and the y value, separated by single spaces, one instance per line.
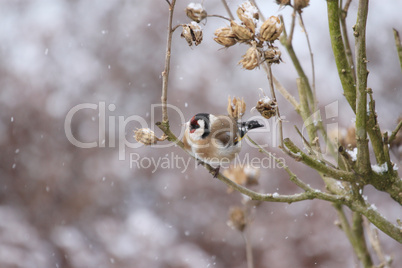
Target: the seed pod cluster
pixel 239 31
pixel 248 14
pixel 225 37
pixel 271 29
pixel 272 55
pixel 266 107
pixel 196 12
pixel 300 4
pixel 258 35
pixel 237 219
pixel 192 33
pixel 236 108
pixel 297 4
pixel 251 59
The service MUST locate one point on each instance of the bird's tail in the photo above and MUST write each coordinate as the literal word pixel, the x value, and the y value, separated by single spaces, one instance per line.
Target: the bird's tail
pixel 244 127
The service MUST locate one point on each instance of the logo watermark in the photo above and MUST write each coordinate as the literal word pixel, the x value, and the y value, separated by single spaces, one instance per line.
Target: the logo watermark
pixel 113 132
pixel 174 161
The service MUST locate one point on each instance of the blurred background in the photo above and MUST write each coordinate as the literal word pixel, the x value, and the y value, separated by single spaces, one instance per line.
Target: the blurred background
pixel 65 206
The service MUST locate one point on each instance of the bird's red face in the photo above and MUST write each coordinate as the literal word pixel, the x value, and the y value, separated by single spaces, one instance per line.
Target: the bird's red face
pixel 193 124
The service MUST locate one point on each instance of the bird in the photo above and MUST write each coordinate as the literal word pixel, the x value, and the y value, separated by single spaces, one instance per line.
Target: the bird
pixel 215 140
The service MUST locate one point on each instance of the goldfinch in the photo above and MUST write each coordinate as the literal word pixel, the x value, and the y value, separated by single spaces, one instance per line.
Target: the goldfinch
pixel 215 139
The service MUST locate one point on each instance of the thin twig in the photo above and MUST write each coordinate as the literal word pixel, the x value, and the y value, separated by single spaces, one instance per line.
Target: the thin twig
pixel 395 132
pixel 289 97
pixel 318 165
pixel 249 249
pixel 373 129
pixel 315 102
pixel 278 115
pixel 289 47
pixel 398 45
pixel 292 175
pixel 218 16
pixel 361 248
pixel 292 27
pixel 227 9
pixel 165 73
pixel 346 7
pixel 348 50
pixel 372 234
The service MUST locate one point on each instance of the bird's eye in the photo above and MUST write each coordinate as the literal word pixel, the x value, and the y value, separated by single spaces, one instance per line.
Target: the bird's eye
pixel 194 125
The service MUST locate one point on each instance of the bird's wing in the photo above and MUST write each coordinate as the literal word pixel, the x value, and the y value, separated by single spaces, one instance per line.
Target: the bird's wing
pixel 224 131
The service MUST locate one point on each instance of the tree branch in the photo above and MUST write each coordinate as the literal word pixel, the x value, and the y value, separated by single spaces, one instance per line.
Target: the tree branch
pixel 348 50
pixel 361 248
pixel 317 165
pixel 371 213
pixel 165 73
pixel 299 69
pixel 338 48
pixel 363 157
pixel 351 234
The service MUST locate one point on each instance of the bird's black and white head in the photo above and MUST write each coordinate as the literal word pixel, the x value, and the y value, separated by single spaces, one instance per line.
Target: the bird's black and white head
pixel 200 126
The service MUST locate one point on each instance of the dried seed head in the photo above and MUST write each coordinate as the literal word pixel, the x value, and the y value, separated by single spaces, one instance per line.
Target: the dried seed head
pixel 225 37
pixel 196 12
pixel 251 59
pixel 237 219
pixel 348 138
pixel 300 4
pixel 272 55
pixel 283 2
pixel 248 14
pixel 243 175
pixel 147 136
pixel 242 32
pixel 236 108
pixel 252 173
pixel 192 33
pixel 271 29
pixel 266 107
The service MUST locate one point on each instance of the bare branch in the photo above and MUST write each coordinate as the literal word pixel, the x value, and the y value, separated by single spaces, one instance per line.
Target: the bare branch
pixel 289 97
pixel 165 73
pixel 348 50
pixel 398 45
pixel 219 16
pixel 338 48
pixel 268 70
pixel 395 132
pixel 360 241
pixel 372 235
pixel 315 103
pixel 363 158
pixel 292 27
pixel 318 165
pixel 371 213
pixel 227 9
pixel 249 249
